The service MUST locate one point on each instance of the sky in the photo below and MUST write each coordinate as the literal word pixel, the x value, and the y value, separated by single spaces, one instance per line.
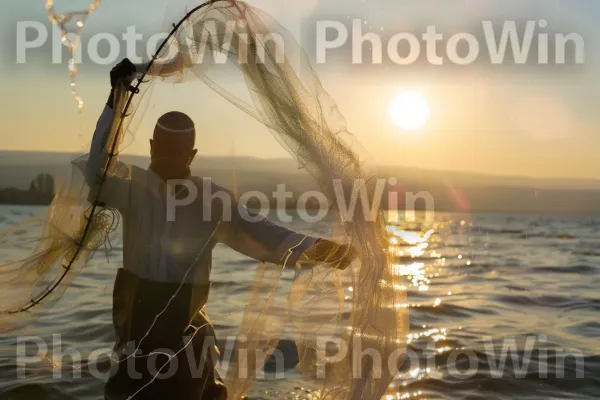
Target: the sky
pixel 527 120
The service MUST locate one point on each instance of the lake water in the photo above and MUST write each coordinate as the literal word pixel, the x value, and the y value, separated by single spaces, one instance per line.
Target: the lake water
pixel 478 284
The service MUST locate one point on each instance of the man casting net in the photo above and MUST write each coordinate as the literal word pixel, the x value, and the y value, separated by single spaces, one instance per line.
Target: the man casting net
pixel 171 220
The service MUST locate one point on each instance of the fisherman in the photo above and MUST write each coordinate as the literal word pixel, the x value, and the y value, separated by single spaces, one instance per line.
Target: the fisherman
pixel 160 293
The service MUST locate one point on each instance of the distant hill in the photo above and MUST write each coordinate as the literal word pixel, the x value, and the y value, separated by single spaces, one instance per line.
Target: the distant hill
pixel 451 191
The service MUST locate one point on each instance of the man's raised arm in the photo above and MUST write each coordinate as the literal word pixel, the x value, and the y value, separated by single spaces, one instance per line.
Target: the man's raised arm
pixel 113 192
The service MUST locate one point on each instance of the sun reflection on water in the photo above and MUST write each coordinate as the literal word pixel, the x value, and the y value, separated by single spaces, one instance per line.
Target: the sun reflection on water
pixel 418 259
pixel 421 262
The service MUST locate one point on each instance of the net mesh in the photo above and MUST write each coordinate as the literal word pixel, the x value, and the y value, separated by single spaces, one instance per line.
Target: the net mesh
pixel 283 93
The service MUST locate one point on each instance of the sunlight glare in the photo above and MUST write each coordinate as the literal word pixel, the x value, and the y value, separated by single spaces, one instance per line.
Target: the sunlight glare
pixel 409 110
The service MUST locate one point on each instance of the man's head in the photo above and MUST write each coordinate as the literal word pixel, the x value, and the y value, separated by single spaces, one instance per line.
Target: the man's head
pixel 172 146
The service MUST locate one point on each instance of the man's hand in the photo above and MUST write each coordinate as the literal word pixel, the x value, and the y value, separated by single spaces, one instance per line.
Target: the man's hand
pixel 122 72
pixel 324 251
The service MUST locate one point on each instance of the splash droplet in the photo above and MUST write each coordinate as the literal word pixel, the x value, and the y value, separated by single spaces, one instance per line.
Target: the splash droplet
pixel 70 37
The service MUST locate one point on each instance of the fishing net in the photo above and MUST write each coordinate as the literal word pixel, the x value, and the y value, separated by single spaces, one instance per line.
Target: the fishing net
pixel 255 65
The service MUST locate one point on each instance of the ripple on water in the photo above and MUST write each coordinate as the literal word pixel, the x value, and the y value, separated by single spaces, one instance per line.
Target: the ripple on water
pixel 499 283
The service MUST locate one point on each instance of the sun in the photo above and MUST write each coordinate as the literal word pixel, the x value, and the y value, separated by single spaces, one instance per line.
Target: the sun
pixel 409 110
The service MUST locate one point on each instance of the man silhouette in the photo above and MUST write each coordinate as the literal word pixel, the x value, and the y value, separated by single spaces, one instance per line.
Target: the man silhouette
pixel 160 293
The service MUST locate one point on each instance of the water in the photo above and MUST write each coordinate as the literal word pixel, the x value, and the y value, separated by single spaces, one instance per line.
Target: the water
pixel 478 284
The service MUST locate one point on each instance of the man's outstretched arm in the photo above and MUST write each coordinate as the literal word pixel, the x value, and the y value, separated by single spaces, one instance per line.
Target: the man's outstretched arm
pixel 265 241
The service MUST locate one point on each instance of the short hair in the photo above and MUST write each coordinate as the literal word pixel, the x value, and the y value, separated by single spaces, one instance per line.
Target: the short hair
pixel 175 122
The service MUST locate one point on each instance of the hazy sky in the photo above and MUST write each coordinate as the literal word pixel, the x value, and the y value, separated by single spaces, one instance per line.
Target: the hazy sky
pixel 503 119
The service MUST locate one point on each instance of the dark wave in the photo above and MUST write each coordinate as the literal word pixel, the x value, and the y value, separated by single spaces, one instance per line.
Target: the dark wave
pixel 554 302
pixel 471 374
pixel 33 391
pixel 501 231
pixel 559 236
pixel 576 269
pixel 590 329
pixel 452 310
